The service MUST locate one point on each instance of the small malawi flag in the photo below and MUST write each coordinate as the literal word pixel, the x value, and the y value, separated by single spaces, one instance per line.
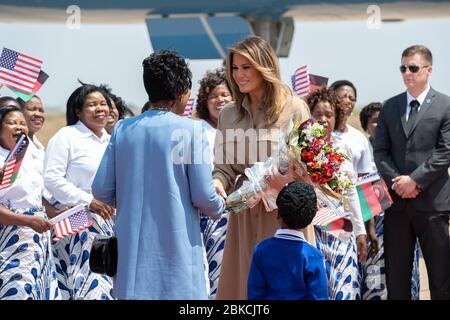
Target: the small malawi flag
pixel 10 169
pixel 316 82
pixel 37 86
pixel 341 228
pixel 373 195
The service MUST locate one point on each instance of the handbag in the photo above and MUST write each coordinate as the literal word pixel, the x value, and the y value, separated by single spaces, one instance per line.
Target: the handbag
pixel 103 256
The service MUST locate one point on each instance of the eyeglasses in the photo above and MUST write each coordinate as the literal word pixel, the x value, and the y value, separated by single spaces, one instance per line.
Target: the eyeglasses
pixel 412 68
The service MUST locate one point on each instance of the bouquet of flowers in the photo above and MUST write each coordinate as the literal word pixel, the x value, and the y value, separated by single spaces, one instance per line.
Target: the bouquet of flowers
pixel 314 151
pixel 308 146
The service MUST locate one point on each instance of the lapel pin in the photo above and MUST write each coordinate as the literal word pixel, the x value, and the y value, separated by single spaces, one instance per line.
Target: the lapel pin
pixel 428 101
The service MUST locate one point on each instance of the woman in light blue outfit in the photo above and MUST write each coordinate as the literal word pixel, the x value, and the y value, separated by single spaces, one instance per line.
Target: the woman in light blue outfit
pixel 373 284
pixel 27 271
pixel 72 158
pixel 341 256
pixel 213 95
pixel 156 170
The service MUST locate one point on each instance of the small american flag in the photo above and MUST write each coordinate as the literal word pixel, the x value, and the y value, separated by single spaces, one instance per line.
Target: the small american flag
pixel 19 71
pixel 189 109
pixel 13 161
pixel 325 216
pixel 300 81
pixel 71 221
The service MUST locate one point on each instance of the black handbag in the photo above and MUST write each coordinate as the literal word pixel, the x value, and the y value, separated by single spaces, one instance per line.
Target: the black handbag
pixel 103 257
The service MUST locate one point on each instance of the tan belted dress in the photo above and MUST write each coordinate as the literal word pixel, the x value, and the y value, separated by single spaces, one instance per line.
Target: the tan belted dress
pixel 240 143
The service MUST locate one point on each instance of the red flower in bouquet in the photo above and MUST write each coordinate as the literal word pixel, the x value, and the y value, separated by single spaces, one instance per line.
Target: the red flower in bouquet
pixel 307 156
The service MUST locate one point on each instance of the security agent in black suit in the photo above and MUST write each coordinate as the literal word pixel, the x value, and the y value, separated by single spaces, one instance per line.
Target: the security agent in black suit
pixel 412 153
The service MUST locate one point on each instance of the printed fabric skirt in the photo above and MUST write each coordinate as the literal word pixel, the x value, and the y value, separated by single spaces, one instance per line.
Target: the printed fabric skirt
pixel 214 233
pixel 341 265
pixel 76 281
pixel 373 284
pixel 27 270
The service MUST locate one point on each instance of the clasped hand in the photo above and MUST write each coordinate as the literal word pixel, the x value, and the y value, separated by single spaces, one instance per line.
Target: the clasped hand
pixel 405 187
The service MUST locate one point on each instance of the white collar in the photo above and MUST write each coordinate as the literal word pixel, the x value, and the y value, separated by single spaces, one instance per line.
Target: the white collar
pixel 290 234
pixel 421 97
pixel 37 143
pixel 88 132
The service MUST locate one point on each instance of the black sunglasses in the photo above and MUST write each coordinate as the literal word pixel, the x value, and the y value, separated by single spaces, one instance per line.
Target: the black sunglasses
pixel 412 68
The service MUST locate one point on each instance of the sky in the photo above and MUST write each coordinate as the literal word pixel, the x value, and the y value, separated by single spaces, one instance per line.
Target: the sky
pixel 113 54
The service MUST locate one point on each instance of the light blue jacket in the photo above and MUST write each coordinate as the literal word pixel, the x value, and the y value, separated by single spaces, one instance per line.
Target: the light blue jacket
pixel 154 172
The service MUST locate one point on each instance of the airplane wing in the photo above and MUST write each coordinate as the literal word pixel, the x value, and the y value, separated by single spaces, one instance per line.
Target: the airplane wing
pixel 204 29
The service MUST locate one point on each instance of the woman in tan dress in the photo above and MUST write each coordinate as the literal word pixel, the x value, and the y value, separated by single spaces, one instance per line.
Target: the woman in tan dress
pixel 249 131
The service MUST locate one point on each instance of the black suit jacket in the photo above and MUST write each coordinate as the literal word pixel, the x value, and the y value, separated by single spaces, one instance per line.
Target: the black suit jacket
pixel 423 152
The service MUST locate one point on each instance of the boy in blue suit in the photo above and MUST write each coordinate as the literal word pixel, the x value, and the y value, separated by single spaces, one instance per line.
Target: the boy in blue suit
pixel 286 266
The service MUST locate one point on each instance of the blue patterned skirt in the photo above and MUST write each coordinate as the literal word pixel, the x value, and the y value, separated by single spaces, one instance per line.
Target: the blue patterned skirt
pixel 341 265
pixel 27 271
pixel 214 233
pixel 76 281
pixel 373 284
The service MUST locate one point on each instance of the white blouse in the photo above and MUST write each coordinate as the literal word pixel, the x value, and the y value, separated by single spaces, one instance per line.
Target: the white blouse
pixel 359 146
pixel 210 132
pixel 26 191
pixel 352 195
pixel 38 153
pixel 71 161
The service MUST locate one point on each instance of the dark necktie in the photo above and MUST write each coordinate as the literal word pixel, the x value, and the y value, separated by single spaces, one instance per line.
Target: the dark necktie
pixel 414 104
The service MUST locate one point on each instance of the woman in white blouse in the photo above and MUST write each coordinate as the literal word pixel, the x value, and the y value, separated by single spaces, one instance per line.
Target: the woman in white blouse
pixel 26 264
pixel 72 158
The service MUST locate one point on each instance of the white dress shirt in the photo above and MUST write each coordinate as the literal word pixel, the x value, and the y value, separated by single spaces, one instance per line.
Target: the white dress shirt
pixel 211 136
pixel 26 191
pixel 71 161
pixel 421 98
pixel 359 147
pixel 38 153
pixel 352 195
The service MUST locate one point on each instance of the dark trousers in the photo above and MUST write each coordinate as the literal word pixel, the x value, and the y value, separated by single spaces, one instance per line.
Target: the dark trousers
pixel 401 228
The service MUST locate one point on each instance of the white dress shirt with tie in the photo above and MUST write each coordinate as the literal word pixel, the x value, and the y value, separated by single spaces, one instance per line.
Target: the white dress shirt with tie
pixel 420 98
